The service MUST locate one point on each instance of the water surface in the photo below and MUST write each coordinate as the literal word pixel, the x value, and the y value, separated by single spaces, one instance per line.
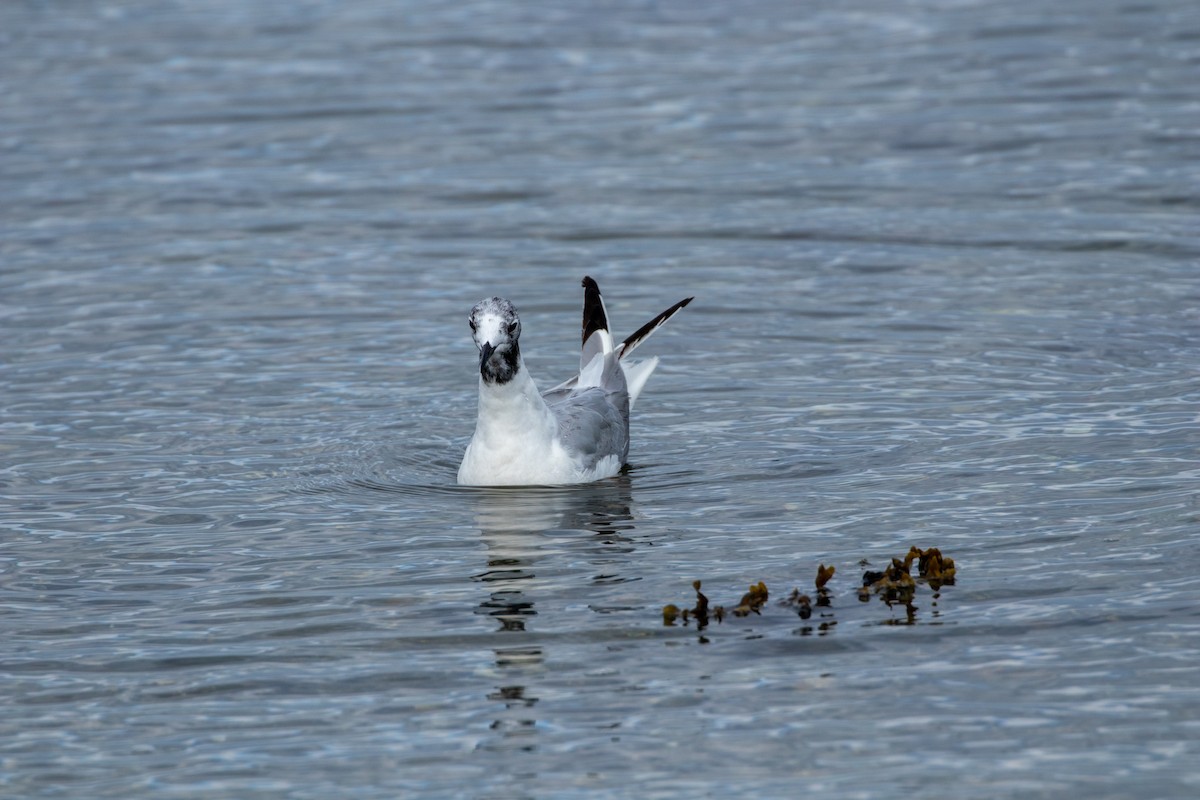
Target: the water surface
pixel 945 264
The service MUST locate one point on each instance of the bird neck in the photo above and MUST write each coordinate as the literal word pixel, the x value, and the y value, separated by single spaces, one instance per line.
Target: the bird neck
pixel 513 406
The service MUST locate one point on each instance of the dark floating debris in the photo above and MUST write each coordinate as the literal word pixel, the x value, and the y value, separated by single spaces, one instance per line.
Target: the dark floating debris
pixel 801 602
pixel 699 612
pixel 894 585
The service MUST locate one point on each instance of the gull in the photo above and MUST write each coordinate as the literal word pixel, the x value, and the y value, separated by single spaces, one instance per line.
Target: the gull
pixel 578 431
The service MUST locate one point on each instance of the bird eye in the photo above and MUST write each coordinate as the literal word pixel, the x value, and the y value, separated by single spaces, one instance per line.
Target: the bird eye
pixel 513 327
pixel 471 322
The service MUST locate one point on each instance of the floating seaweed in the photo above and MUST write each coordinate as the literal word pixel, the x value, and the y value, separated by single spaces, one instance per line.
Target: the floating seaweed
pixel 935 568
pixel 894 585
pixel 824 573
pixel 752 601
pixel 701 608
pixel 699 611
pixel 802 603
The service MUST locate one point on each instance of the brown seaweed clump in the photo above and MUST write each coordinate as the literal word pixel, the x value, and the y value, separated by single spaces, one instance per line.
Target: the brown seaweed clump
pixel 752 601
pixel 824 573
pixel 699 612
pixel 894 585
pixel 936 569
pixel 802 603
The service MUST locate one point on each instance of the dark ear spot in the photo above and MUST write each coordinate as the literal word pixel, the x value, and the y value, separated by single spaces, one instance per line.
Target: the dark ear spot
pixel 513 327
pixel 471 322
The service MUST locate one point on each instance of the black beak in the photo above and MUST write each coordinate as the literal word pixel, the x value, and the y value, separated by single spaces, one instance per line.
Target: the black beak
pixel 485 352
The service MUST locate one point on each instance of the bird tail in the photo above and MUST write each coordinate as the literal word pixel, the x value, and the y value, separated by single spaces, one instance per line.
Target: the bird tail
pixel 598 341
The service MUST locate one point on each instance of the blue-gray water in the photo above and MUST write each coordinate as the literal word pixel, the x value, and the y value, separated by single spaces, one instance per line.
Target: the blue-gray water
pixel 946 260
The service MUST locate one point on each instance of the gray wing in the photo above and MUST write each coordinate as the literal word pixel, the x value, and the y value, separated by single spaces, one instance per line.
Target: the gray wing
pixel 592 423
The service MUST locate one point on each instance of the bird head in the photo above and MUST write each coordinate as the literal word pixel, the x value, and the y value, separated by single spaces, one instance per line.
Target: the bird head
pixel 496 330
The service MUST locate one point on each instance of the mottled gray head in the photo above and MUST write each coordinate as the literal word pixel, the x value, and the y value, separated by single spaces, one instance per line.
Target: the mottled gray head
pixel 496 330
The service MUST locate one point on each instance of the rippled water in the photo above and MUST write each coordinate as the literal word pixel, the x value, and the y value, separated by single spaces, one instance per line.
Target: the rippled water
pixel 945 256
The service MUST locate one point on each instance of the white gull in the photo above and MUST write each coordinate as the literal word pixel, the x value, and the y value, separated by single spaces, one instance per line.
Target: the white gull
pixel 576 432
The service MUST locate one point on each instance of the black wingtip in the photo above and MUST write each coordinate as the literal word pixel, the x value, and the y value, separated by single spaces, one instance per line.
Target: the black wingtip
pixel 594 316
pixel 636 338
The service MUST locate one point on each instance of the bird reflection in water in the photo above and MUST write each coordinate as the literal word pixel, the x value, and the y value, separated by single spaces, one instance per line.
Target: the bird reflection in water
pixel 513 524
